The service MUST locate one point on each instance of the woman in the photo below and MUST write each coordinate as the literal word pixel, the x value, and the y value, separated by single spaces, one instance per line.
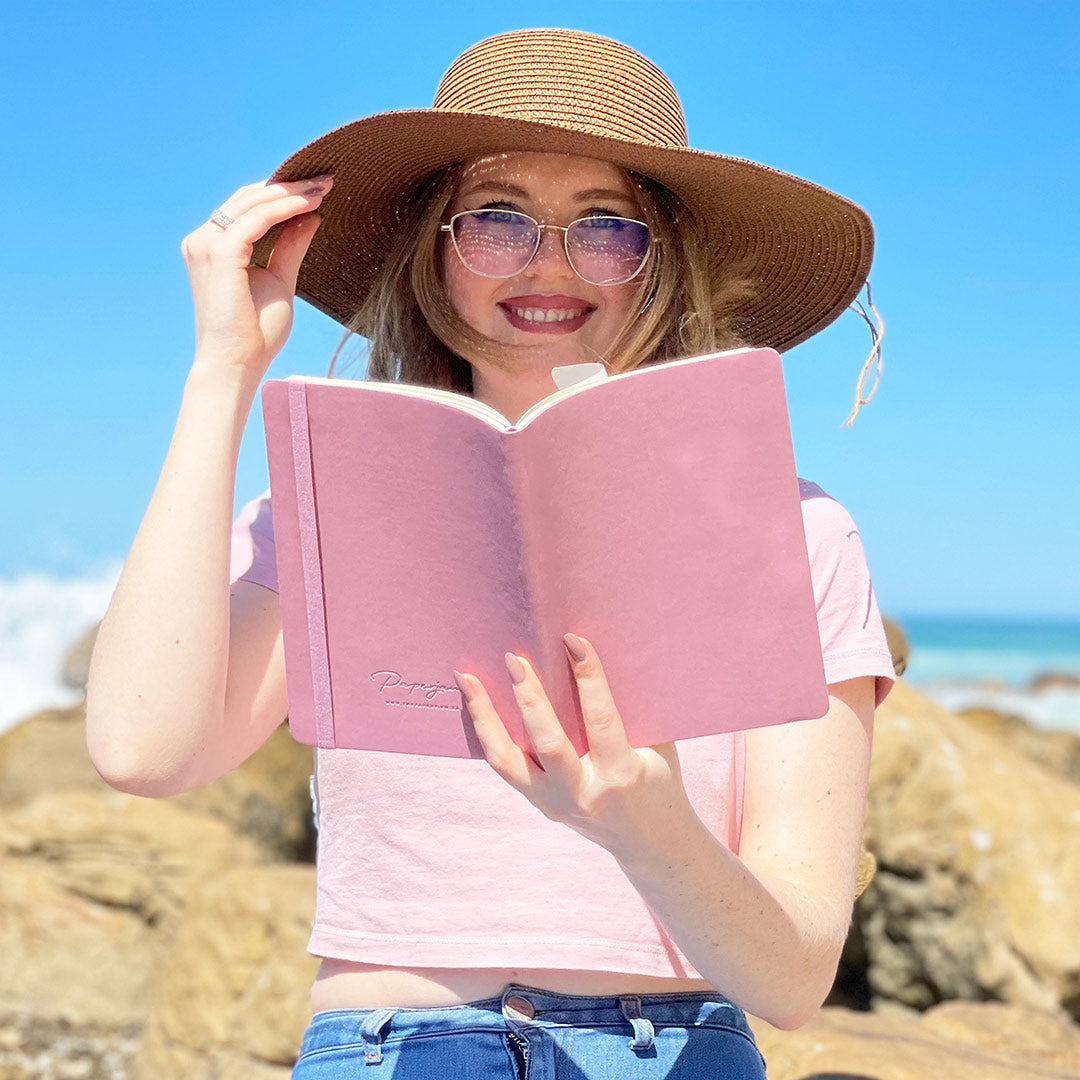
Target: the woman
pixel 538 914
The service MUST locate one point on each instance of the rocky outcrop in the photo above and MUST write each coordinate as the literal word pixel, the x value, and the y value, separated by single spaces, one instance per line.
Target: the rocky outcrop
pixel 166 938
pixel 266 798
pixel 978 867
pixel 959 1040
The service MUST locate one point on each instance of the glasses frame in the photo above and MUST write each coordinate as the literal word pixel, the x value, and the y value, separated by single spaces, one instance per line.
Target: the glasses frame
pixel 565 229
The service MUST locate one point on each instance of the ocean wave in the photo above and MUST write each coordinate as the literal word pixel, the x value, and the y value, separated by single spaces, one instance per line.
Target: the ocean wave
pixel 1053 708
pixel 41 617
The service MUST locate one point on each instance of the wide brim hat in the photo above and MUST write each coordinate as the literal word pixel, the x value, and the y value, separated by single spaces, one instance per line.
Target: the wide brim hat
pixel 805 250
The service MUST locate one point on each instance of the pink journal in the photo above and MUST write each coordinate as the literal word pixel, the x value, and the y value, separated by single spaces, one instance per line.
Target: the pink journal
pixel 655 512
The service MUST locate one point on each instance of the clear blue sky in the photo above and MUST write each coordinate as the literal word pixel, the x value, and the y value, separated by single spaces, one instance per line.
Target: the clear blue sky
pixel 955 124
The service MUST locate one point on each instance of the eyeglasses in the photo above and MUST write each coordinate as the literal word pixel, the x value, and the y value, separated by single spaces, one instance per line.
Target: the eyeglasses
pixel 601 249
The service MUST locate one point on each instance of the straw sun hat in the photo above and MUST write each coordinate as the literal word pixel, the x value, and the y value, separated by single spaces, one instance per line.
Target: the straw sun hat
pixel 807 249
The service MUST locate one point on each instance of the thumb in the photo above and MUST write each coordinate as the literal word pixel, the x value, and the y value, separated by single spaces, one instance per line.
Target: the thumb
pixel 291 247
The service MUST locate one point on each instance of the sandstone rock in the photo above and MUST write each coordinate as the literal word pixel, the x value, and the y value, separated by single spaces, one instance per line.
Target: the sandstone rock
pixel 266 798
pixel 1056 750
pixel 46 752
pixel 954 1041
pixel 90 885
pixel 233 999
pixel 139 855
pixel 978 853
pixel 66 957
pixel 898 645
pixel 1051 679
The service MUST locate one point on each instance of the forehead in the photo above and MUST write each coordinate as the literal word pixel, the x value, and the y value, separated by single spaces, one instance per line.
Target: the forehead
pixel 546 173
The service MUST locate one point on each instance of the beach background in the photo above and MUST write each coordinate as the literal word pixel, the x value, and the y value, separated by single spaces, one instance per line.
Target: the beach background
pixel 955 126
pixel 151 938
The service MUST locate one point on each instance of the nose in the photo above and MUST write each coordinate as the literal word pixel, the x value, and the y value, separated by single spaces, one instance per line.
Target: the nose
pixel 550 258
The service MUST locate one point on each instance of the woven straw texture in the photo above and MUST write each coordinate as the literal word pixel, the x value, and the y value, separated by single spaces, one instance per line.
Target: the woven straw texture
pixel 806 249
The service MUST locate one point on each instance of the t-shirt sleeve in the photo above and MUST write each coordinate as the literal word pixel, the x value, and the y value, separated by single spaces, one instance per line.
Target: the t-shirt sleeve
pixel 852 635
pixel 252 556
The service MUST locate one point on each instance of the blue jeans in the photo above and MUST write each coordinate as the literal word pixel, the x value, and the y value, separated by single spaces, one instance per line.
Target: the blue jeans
pixel 532 1034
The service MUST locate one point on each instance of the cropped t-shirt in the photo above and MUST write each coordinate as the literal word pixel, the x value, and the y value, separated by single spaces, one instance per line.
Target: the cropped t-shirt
pixel 438 862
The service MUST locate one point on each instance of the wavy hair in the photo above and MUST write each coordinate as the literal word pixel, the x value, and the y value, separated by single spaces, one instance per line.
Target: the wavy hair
pixel 684 306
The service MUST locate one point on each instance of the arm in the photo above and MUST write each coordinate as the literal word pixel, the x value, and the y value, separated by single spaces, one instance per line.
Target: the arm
pixel 174 696
pixel 187 680
pixel 767 926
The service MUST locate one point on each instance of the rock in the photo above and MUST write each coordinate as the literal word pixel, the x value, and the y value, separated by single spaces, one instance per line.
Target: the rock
pixel 1058 751
pixel 978 852
pixel 75 670
pixel 266 798
pixel 46 752
pixel 233 999
pixel 30 1047
pixel 898 645
pixel 957 1041
pixel 1052 680
pixel 90 885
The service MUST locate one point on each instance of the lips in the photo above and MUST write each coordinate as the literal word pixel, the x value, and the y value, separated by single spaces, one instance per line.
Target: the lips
pixel 546 314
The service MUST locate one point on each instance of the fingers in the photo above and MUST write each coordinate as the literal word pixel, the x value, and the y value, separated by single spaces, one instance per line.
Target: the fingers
pixel 292 246
pixel 254 210
pixel 603 724
pixel 502 753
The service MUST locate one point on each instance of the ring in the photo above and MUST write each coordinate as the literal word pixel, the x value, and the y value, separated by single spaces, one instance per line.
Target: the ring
pixel 219 217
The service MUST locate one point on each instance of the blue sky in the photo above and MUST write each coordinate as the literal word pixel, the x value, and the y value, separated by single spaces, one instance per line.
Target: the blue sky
pixel 955 124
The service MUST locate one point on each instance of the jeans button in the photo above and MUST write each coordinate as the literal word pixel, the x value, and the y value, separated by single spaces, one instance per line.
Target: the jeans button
pixel 519 1008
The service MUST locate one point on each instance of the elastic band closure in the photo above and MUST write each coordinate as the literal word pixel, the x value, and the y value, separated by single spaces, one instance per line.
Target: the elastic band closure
pixel 312 565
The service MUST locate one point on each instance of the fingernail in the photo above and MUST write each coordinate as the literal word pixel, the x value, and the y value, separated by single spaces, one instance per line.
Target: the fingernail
pixel 513 665
pixel 466 693
pixel 317 189
pixel 574 647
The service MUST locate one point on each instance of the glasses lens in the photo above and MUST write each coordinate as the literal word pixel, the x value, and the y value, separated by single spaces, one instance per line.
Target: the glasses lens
pixel 495 243
pixel 607 250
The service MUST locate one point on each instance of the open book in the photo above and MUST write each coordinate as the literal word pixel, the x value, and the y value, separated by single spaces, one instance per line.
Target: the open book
pixel 655 512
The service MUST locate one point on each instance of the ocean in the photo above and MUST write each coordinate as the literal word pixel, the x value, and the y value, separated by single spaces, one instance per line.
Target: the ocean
pixel 961 662
pixel 986 662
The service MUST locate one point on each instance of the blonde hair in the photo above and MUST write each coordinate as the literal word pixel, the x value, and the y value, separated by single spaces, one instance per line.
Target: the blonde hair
pixel 684 306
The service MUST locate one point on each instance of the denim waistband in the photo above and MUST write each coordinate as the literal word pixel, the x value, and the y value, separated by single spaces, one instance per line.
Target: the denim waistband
pixel 518 1006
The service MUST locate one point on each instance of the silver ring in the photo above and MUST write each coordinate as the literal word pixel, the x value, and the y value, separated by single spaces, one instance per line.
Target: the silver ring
pixel 219 217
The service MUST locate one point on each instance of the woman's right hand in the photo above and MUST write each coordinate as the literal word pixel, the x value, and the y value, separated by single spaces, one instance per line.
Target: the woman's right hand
pixel 243 313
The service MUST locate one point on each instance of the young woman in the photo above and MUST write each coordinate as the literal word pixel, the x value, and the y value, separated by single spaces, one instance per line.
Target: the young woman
pixel 539 913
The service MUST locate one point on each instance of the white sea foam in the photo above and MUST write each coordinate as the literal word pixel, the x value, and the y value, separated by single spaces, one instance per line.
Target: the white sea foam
pixel 1056 708
pixel 41 617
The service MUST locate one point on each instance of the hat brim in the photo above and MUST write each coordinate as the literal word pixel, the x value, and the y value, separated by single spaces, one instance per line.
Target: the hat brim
pixel 806 250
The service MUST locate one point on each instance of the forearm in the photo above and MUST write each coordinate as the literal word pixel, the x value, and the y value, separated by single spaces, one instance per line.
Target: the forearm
pixel 158 674
pixel 772 948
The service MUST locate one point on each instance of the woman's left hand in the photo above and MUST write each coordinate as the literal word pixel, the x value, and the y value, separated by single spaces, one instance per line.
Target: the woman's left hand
pixel 614 795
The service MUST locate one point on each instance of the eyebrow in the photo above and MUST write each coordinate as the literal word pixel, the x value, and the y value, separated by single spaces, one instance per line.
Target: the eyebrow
pixel 519 192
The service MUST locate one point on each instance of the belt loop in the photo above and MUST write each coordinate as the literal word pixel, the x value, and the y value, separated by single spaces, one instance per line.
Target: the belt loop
pixel 643 1029
pixel 371 1032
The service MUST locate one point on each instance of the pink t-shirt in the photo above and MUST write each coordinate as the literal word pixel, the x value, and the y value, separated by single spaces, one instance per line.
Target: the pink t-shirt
pixel 438 862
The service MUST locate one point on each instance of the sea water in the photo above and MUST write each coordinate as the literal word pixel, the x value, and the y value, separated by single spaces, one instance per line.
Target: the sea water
pixel 960 662
pixel 983 662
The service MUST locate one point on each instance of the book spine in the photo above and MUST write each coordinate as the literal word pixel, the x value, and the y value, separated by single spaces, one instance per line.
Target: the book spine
pixel 307 514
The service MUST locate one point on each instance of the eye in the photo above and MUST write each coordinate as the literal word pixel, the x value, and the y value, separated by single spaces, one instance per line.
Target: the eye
pixel 605 222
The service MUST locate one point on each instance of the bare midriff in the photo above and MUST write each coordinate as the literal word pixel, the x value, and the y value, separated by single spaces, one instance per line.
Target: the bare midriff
pixel 343 984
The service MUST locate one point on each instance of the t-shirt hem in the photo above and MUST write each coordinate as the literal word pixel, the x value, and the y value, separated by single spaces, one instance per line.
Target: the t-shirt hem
pixel 634 958
pixel 855 663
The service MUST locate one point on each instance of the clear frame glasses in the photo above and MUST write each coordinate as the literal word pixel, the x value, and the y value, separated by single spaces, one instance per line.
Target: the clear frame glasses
pixel 601 249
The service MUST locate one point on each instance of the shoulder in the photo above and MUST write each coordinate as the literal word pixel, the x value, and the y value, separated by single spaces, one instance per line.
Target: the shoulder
pixel 852 636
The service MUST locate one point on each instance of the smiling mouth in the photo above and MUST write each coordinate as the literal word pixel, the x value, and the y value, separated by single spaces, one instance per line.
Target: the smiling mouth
pixel 557 316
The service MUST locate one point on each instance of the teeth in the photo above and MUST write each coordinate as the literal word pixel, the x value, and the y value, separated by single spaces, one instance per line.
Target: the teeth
pixel 548 314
